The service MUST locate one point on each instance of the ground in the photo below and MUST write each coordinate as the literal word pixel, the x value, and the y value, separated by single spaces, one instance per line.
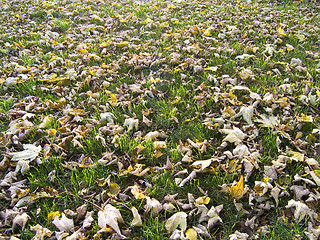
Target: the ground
pixel 159 119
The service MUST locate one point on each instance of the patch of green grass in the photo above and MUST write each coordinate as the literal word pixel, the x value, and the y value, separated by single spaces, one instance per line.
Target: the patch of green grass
pixel 39 14
pixel 269 143
pixel 153 228
pixel 61 25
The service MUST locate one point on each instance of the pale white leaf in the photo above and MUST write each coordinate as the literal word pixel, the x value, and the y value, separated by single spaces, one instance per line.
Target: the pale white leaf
pixel 41 232
pixel 178 219
pixel 131 123
pixel 137 222
pixel 88 220
pixel 235 135
pixel 64 224
pixel 202 164
pixel 153 205
pixel 110 216
pixel 301 210
pixel 107 117
pixel 30 152
pixel 238 236
pixel 268 121
pixel 21 220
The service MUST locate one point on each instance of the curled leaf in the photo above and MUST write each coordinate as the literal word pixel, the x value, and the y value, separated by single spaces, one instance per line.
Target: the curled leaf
pixel 137 222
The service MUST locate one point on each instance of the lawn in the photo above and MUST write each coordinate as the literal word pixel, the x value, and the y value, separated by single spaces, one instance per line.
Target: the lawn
pixel 159 119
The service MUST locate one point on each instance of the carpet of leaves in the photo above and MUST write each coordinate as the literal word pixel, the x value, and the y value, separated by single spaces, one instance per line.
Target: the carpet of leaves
pixel 172 119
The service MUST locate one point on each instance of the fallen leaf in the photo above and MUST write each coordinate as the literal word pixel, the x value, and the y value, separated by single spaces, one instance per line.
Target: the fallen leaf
pixel 110 216
pixel 131 123
pixel 64 224
pixel 301 210
pixel 191 234
pixel 137 222
pixel 235 135
pixel 29 153
pixel 178 219
pixel 41 232
pixel 21 220
pixel 237 191
pixel 153 205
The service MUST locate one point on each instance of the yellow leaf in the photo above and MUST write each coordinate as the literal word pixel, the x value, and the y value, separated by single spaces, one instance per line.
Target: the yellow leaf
pixel 207 33
pixel 213 68
pixel 281 32
pixel 191 234
pixel 157 153
pixel 53 58
pixel 236 191
pixel 52 132
pixel 113 99
pixel 137 193
pixel 305 118
pixel 298 156
pixel 258 189
pixel 176 100
pixel 51 215
pixel 265 179
pixel 284 102
pixel 202 200
pixel 229 112
pixel 114 189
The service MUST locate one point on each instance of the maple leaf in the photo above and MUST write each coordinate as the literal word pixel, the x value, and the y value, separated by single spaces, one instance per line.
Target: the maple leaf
pixel 29 153
pixel 64 224
pixel 246 113
pixel 268 121
pixel 235 135
pixel 110 216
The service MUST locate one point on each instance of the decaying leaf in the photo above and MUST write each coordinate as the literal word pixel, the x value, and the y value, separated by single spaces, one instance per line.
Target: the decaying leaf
pixel 41 232
pixel 301 210
pixel 21 220
pixel 213 215
pixel 238 236
pixel 131 123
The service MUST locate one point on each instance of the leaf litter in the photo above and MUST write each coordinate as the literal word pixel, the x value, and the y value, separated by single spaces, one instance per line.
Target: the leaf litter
pixel 194 115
